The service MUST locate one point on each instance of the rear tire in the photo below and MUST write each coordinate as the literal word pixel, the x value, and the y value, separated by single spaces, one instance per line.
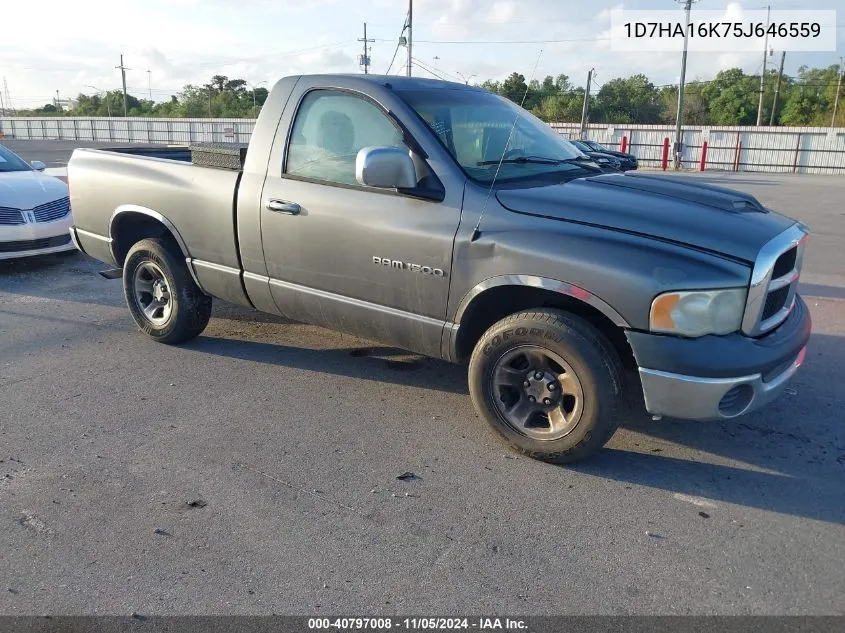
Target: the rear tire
pixel 548 383
pixel 163 298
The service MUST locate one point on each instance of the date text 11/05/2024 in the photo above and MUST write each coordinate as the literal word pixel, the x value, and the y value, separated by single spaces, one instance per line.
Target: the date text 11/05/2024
pixel 418 624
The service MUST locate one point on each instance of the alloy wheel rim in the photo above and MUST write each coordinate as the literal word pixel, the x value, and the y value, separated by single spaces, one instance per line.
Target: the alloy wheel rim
pixel 152 293
pixel 537 393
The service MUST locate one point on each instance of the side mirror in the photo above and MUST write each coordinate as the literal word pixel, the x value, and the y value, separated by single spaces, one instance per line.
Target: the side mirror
pixel 37 165
pixel 385 168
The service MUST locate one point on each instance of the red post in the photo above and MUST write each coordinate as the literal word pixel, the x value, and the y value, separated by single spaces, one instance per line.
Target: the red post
pixel 624 145
pixel 703 156
pixel 738 151
pixel 665 153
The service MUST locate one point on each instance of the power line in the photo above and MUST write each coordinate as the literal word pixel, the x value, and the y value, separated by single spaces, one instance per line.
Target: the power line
pixel 551 41
pixel 429 71
pixel 398 44
pixel 426 66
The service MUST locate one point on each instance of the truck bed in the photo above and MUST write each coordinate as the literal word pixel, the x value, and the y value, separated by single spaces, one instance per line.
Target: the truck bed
pixel 219 155
pixel 112 186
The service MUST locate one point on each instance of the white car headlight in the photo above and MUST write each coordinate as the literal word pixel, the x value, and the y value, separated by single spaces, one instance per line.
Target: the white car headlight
pixel 695 313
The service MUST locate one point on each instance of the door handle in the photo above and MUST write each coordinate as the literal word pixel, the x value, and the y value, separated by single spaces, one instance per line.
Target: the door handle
pixel 283 206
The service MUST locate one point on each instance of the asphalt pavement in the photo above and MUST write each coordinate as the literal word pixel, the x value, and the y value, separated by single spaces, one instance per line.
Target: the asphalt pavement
pixel 254 470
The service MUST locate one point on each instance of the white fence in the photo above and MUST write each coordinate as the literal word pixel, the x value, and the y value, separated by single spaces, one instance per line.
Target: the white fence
pixel 770 149
pixel 128 130
pixel 805 150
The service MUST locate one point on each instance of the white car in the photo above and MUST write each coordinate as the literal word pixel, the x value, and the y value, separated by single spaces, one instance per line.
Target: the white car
pixel 34 209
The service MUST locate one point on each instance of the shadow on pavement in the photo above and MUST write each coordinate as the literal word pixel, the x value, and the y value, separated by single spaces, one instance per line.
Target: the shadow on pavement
pixel 374 363
pixel 788 457
pixel 790 494
pixel 799 439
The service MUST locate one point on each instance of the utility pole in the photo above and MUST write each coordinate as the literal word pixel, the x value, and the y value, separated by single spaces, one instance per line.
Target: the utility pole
pixel 2 107
pixel 365 58
pixel 679 117
pixel 410 33
pixel 123 70
pixel 838 90
pixel 58 101
pixel 586 108
pixel 150 83
pixel 763 74
pixel 777 88
pixel 8 97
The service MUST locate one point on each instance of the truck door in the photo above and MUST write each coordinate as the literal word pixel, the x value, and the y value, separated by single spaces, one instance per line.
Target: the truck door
pixel 371 262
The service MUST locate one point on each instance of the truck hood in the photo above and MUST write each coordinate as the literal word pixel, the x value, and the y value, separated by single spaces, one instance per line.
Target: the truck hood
pixel 29 189
pixel 676 209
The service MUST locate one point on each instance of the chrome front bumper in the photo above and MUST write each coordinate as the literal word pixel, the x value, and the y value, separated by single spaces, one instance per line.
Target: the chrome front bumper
pixel 695 398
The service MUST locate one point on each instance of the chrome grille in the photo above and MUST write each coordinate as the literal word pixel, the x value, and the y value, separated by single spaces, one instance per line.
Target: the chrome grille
pixel 774 280
pixel 11 216
pixel 775 301
pixel 52 210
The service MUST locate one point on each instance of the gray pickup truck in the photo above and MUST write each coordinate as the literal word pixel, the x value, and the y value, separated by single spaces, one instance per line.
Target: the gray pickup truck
pixel 443 219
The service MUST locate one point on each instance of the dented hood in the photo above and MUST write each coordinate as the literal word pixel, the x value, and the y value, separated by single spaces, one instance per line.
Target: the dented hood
pixel 676 209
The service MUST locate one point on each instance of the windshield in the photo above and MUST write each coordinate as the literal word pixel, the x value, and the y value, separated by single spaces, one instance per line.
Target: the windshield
pixel 11 162
pixel 474 127
pixel 581 145
pixel 596 147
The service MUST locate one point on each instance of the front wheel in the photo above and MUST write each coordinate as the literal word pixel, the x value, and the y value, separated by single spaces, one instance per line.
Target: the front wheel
pixel 549 383
pixel 162 296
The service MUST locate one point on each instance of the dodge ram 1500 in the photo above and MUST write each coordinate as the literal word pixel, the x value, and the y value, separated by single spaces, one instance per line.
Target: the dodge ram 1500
pixel 446 220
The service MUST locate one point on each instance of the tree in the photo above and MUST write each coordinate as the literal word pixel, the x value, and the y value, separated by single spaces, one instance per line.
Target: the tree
pixel 238 86
pixel 630 100
pixel 695 105
pixel 810 99
pixel 492 86
pixel 514 88
pixel 732 98
pixel 562 107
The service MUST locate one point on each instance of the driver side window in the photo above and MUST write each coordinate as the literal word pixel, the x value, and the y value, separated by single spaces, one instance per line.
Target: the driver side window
pixel 330 128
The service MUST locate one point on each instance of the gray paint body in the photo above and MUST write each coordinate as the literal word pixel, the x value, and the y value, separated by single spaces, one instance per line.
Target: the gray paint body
pixel 613 241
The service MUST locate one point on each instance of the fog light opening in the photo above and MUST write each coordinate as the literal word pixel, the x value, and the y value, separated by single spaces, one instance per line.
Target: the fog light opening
pixel 736 401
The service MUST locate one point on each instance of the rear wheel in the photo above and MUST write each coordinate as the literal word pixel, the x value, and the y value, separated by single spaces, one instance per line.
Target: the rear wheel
pixel 549 383
pixel 162 296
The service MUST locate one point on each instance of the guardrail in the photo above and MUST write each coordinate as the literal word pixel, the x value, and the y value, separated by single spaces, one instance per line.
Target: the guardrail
pixel 805 150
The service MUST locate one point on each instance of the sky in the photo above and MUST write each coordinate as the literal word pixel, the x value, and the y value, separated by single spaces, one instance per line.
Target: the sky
pixel 73 46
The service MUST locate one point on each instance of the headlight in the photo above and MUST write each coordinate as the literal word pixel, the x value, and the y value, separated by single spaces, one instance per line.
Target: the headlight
pixel 698 312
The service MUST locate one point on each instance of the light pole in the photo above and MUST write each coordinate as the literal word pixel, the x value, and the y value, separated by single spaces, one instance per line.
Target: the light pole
pixel 254 86
pixel 105 97
pixel 464 77
pixel 680 116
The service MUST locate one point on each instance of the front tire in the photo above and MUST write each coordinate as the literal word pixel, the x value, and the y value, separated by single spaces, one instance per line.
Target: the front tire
pixel 548 383
pixel 163 298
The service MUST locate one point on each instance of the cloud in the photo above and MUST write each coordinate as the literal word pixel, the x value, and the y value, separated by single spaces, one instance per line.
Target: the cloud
pixel 76 44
